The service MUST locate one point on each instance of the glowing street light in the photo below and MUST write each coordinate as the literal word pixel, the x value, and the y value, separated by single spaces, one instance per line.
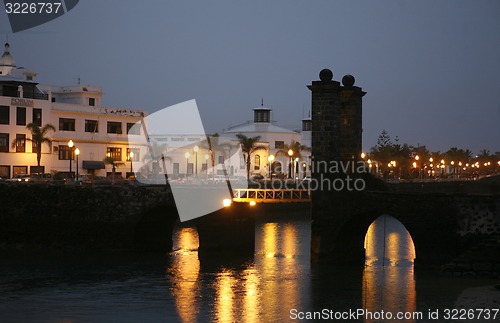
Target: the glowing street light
pixel 70 145
pixel 187 154
pixel 363 155
pixel 290 153
pixel 227 202
pixel 131 157
pixel 196 148
pixel 77 152
pixel 270 159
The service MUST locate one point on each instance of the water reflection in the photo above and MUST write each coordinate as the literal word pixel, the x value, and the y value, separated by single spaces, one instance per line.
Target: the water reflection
pixel 184 273
pixel 264 290
pixel 388 279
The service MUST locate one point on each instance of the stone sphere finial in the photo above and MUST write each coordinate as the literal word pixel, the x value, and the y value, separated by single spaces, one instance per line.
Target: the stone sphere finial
pixel 326 75
pixel 348 80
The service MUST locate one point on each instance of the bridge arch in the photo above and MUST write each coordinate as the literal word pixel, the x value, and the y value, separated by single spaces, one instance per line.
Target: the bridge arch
pixel 388 243
pixel 348 242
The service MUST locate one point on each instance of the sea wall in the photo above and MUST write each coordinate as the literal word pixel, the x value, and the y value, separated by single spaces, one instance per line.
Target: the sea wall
pixel 75 217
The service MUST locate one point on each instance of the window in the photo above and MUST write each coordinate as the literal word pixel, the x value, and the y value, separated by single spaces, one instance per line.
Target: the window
pixel 176 168
pixel 4 114
pixel 190 168
pixel 307 125
pixel 37 117
pixel 34 147
pixel 115 153
pixel 66 153
pixel 4 142
pixel 136 152
pixel 91 126
pixel 131 130
pixel 4 171
pixel 92 102
pixel 21 116
pixel 66 124
pixel 114 127
pixel 19 170
pixel 221 159
pixel 257 162
pixel 279 144
pixel 20 143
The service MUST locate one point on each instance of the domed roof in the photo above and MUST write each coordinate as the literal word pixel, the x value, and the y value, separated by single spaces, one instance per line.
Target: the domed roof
pixel 7 62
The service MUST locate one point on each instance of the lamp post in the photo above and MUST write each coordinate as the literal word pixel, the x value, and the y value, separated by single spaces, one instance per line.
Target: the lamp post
pixel 70 145
pixel 196 148
pixel 77 152
pixel 296 168
pixel 206 163
pixel 270 159
pixel 131 156
pixel 290 153
pixel 417 157
pixel 187 154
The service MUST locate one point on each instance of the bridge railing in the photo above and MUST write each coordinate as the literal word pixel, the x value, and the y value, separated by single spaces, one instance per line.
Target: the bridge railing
pixel 271 196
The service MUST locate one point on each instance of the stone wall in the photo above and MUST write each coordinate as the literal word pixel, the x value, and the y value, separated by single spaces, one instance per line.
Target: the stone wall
pixel 74 217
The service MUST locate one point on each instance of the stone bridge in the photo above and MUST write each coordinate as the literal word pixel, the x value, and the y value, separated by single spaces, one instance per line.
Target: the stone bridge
pixel 443 226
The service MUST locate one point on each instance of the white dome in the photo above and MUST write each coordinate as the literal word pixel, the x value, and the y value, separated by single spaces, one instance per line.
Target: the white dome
pixel 6 61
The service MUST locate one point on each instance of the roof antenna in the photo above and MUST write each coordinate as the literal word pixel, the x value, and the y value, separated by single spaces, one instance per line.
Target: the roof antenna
pixel 262 102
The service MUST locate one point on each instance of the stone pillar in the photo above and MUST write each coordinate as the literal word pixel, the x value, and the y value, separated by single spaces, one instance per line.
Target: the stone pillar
pixel 336 141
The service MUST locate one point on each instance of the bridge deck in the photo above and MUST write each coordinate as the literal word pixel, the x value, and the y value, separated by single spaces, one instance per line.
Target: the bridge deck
pixel 271 196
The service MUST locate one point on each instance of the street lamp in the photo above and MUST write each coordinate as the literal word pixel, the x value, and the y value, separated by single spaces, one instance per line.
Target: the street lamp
pixel 70 145
pixel 270 159
pixel 290 153
pixel 206 163
pixel 187 154
pixel 131 156
pixel 77 152
pixel 196 148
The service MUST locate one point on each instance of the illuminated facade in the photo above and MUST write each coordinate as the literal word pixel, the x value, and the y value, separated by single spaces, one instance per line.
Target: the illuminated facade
pixel 77 114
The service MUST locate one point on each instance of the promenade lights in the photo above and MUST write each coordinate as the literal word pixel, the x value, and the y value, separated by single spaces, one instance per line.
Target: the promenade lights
pixel 77 152
pixel 206 162
pixel 70 145
pixel 187 154
pixel 196 148
pixel 270 160
pixel 227 202
pixel 131 157
pixel 290 153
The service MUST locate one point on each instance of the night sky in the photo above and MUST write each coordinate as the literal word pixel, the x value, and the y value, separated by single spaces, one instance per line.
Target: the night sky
pixel 431 68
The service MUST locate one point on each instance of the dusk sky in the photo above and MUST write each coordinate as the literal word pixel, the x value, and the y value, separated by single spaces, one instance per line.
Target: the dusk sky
pixel 431 69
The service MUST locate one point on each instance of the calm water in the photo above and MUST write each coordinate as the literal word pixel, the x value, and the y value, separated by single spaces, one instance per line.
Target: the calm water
pixel 176 287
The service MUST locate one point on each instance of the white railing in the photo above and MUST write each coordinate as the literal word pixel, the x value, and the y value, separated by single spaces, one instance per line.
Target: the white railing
pixel 271 196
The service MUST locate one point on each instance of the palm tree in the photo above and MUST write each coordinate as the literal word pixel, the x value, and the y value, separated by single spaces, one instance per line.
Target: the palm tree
pixel 38 137
pixel 114 164
pixel 296 147
pixel 248 147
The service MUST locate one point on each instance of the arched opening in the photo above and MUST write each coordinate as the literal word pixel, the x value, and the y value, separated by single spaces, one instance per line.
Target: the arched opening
pixel 276 167
pixel 388 243
pixel 388 278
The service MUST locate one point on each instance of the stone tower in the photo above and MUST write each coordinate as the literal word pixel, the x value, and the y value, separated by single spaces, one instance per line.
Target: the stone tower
pixel 336 139
pixel 336 118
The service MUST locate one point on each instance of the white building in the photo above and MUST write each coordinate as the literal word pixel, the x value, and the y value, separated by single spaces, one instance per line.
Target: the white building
pixel 75 111
pixel 276 140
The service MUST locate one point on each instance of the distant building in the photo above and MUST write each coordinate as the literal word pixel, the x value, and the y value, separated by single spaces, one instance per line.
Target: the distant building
pixel 275 139
pixel 75 111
